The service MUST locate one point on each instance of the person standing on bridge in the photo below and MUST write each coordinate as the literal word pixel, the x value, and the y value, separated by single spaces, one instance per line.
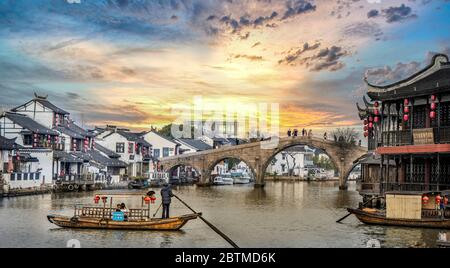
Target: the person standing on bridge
pixel 295 132
pixel 325 136
pixel 166 199
pixel 289 132
pixel 310 133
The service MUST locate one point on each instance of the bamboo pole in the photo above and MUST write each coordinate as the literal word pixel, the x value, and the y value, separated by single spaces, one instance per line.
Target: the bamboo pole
pixel 214 228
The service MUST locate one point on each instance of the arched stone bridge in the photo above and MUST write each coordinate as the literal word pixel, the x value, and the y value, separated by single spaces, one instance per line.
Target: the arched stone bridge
pixel 258 156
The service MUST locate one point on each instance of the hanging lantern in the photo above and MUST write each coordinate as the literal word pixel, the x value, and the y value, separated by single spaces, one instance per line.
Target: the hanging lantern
pixel 433 106
pixel 377 112
pixel 406 102
pixel 376 119
pixel 370 119
pixel 366 122
pixel 425 199
pixel 366 134
pixel 406 109
pixel 370 125
pixel 104 199
pixel 376 104
pixel 96 199
pixel 366 128
pixel 147 200
pixel 153 199
pixel 405 117
pixel 433 97
pixel 432 114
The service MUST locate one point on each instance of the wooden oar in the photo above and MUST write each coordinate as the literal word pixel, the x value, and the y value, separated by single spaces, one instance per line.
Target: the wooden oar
pixel 160 205
pixel 346 216
pixel 209 224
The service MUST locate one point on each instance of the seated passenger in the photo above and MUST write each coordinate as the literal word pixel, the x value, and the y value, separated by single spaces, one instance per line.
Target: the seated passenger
pixel 124 209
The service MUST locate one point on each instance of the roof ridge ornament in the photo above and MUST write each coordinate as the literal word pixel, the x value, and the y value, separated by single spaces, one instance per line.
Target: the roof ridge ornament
pixel 40 97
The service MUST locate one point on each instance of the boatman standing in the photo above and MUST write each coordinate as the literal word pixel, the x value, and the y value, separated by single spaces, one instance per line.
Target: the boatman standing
pixel 166 199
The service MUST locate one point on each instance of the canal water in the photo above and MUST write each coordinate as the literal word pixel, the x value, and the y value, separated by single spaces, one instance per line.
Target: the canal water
pixel 283 214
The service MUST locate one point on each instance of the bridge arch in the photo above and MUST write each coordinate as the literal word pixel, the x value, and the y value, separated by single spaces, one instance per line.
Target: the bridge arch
pixel 249 163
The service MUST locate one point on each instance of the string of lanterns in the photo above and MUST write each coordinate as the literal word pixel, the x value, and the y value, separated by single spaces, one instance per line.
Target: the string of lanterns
pixel 369 122
pixel 433 107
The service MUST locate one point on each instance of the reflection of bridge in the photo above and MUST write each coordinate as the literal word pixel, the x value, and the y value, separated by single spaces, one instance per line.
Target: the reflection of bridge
pixel 258 156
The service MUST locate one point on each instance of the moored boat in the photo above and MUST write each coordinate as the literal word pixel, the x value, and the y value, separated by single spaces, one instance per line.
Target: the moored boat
pixel 408 209
pixel 223 179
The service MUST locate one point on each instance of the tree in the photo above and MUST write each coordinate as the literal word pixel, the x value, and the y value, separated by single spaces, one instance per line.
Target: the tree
pixel 323 162
pixel 345 136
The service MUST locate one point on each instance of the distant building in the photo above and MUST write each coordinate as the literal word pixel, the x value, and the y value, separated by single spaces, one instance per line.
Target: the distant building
pixel 192 146
pixel 132 148
pixel 292 161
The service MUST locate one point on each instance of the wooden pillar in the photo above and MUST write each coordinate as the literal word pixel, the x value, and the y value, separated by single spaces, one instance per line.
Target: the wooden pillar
pixel 411 121
pixel 427 173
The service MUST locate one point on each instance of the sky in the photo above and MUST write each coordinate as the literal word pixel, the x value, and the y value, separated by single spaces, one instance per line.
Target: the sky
pixel 129 62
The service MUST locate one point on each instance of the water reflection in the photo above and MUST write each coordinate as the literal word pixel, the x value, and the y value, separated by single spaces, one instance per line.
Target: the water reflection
pixel 283 214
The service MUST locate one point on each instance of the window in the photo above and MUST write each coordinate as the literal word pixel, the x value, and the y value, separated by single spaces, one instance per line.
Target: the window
pixel 120 147
pixel 130 147
pixel 156 153
pixel 27 140
pixel 165 152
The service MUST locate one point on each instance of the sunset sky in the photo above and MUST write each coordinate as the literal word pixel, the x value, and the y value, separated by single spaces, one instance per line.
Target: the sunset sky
pixel 128 62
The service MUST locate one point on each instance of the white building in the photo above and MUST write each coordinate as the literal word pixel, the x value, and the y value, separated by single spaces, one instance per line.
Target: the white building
pixel 292 161
pixel 57 150
pixel 133 149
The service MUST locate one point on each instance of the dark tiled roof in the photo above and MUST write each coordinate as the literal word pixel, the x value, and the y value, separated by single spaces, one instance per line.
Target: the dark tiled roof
pixel 197 144
pixel 97 158
pixel 106 151
pixel 66 157
pixel 46 104
pixel 8 144
pixel 134 137
pixel 29 124
pixel 73 130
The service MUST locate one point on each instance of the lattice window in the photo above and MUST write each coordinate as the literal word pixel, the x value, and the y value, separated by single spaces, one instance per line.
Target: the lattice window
pixel 420 116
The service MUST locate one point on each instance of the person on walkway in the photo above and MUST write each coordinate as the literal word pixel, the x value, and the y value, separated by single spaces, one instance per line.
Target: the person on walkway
pixel 303 132
pixel 359 143
pixel 289 132
pixel 166 199
pixel 325 136
pixel 310 133
pixel 295 132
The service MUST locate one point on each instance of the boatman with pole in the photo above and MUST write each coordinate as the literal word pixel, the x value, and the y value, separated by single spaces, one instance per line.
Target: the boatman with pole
pixel 166 199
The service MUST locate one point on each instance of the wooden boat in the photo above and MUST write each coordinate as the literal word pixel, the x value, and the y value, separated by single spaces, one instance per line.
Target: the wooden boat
pixel 103 217
pixel 171 224
pixel 379 218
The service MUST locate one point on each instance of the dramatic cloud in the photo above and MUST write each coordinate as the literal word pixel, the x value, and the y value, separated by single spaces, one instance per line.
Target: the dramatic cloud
pixel 393 14
pixel 388 74
pixel 297 7
pixel 293 55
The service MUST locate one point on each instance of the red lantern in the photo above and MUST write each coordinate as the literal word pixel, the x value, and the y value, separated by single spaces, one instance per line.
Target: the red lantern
pixel 432 114
pixel 96 199
pixel 370 125
pixel 376 104
pixel 366 134
pixel 433 97
pixel 377 112
pixel 366 128
pixel 376 119
pixel 366 122
pixel 433 106
pixel 405 117
pixel 406 109
pixel 425 199
pixel 104 199
pixel 370 119
pixel 406 102
pixel 153 199
pixel 147 200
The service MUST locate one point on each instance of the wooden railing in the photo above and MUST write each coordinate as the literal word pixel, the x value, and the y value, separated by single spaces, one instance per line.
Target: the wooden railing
pixel 434 213
pixel 403 187
pixel 404 137
pixel 100 212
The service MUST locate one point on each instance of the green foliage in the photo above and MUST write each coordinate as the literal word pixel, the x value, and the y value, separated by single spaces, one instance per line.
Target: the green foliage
pixel 323 162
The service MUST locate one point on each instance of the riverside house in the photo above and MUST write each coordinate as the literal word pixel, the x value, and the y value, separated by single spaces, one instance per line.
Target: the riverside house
pixel 132 148
pixel 53 150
